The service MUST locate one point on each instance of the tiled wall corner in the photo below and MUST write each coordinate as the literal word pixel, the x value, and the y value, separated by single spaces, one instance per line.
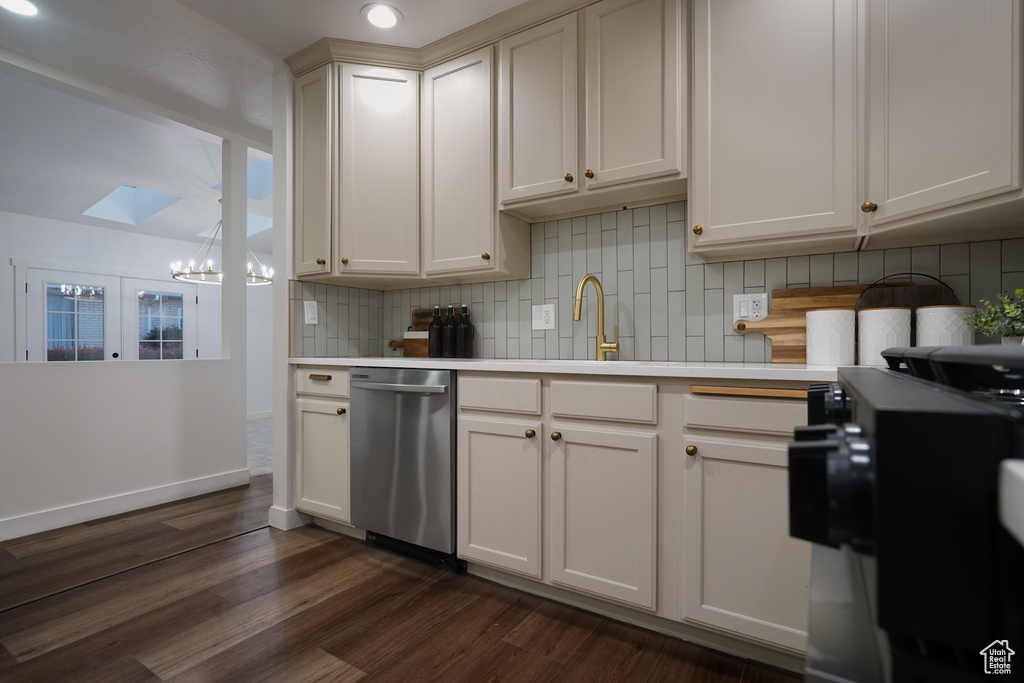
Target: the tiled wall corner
pixel 668 305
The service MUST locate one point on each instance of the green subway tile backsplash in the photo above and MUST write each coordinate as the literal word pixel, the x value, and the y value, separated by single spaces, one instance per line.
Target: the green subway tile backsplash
pixel 668 305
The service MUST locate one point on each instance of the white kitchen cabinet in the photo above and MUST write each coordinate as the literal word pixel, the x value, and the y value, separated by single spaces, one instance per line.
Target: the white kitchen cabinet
pixel 943 85
pixel 378 171
pixel 774 127
pixel 742 572
pixel 604 511
pixel 315 137
pixel 499 493
pixel 322 443
pixel 537 111
pixel 614 137
pixel 463 232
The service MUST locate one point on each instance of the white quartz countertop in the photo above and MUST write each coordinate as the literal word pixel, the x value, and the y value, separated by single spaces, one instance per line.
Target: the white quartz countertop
pixel 694 370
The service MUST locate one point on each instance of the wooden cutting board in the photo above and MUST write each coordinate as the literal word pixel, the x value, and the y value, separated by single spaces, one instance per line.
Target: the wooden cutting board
pixel 786 325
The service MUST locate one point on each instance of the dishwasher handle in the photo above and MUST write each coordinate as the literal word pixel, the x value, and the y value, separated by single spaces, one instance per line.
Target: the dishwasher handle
pixel 402 388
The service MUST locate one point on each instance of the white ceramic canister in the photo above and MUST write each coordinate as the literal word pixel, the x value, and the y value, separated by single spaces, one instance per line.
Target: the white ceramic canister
pixel 944 326
pixel 879 329
pixel 830 336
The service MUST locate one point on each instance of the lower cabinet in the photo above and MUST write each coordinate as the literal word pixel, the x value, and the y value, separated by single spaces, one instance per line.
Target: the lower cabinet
pixel 499 493
pixel 603 511
pixel 742 571
pixel 322 445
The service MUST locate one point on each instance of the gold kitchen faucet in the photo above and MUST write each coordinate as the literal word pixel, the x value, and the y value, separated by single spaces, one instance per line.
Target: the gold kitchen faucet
pixel 603 346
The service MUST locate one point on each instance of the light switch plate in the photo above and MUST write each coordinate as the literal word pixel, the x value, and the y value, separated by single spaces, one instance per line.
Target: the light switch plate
pixel 749 306
pixel 312 317
pixel 544 317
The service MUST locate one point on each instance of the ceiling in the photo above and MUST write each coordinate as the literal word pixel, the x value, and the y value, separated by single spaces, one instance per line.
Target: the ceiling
pixel 283 27
pixel 212 62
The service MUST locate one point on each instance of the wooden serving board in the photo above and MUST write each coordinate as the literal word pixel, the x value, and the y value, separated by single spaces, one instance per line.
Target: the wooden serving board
pixel 786 325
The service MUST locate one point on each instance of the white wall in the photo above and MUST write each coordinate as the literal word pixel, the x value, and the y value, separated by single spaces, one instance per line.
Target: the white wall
pixel 83 440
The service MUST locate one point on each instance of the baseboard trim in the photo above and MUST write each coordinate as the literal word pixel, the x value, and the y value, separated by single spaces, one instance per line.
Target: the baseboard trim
pixel 287 519
pixel 45 520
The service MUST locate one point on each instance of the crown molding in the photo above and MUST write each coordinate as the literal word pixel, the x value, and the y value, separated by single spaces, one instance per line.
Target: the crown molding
pixel 487 32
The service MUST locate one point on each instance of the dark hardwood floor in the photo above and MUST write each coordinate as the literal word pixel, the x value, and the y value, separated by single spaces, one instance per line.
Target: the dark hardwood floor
pixel 204 590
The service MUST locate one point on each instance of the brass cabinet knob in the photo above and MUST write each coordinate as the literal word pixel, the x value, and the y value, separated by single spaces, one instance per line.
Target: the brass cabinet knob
pixel 868 207
pixel 568 177
pixel 691 450
pixel 589 173
pixel 344 260
pixel 321 261
pixel 530 433
pixel 485 256
pixel 697 230
pixel 341 411
pixel 556 436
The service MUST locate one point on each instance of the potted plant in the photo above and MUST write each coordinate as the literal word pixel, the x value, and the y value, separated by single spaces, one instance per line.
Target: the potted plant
pixel 1003 319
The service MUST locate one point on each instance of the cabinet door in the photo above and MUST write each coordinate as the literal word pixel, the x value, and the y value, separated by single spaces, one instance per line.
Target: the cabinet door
pixel 458 165
pixel 499 493
pixel 322 458
pixel 773 122
pixel 743 573
pixel 315 135
pixel 603 511
pixel 379 171
pixel 537 112
pixel 941 99
pixel 635 120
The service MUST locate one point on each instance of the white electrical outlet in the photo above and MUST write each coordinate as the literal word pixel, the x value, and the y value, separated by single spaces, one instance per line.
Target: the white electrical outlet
pixel 749 306
pixel 544 317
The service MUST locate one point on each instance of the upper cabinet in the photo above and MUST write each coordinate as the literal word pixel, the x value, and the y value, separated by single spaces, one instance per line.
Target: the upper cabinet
pixel 357 179
pixel 614 136
pixel 378 178
pixel 797 150
pixel 315 135
pixel 942 106
pixel 774 133
pixel 463 233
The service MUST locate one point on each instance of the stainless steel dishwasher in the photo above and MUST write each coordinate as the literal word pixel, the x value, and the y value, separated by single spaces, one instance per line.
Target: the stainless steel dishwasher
pixel 403 459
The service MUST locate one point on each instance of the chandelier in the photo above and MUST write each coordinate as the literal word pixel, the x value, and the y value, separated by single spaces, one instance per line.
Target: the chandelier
pixel 205 273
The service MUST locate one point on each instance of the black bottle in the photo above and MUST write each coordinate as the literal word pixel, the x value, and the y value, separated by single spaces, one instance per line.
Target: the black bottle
pixel 464 335
pixel 448 344
pixel 434 345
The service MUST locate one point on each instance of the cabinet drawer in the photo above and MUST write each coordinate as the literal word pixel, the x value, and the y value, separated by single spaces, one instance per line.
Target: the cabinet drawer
pixel 744 414
pixel 619 402
pixel 512 395
pixel 322 381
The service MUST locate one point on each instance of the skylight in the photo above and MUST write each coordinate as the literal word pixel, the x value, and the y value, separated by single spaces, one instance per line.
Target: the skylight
pixel 130 204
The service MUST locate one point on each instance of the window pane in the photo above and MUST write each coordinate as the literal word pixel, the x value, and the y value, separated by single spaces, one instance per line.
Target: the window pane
pixel 149 350
pixel 160 319
pixel 60 350
pixel 74 322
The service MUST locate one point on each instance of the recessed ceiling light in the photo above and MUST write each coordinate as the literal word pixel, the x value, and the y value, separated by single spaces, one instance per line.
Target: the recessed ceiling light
pixel 20 7
pixel 381 16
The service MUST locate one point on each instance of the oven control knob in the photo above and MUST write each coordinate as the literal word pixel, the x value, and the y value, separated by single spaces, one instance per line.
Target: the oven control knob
pixel 808 482
pixel 826 404
pixel 851 486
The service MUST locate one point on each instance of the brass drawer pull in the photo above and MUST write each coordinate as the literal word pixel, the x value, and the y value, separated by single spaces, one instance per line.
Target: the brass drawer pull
pixel 344 260
pixel 568 177
pixel 868 207
pixel 750 392
pixel 698 230
pixel 589 173
pixel 322 378
pixel 321 261
pixel 341 411
pixel 691 450
pixel 485 256
pixel 530 433
pixel 556 436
